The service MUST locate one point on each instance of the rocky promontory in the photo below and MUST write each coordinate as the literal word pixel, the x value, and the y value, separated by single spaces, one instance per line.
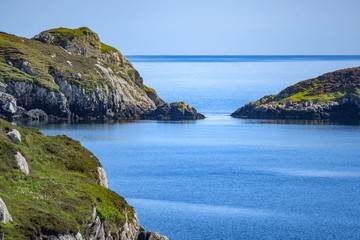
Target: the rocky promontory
pixel 334 95
pixel 58 190
pixel 70 74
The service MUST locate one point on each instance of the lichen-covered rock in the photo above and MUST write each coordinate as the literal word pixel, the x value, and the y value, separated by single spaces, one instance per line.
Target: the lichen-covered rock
pixel 14 136
pixel 5 216
pixel 22 163
pixel 334 95
pixel 174 111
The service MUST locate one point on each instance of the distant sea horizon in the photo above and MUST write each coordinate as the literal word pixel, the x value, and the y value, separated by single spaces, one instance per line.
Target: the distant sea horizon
pixel 239 58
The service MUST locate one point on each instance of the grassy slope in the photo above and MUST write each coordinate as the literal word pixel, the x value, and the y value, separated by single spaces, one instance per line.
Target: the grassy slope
pixel 42 57
pixel 328 87
pixel 59 193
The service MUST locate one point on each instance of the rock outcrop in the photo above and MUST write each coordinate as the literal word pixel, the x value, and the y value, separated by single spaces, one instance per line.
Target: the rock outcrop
pixel 65 196
pixel 174 111
pixel 334 95
pixel 5 216
pixel 102 177
pixel 70 74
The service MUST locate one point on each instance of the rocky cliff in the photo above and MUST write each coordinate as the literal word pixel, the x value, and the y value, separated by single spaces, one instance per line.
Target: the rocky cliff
pixel 70 73
pixel 334 95
pixel 62 194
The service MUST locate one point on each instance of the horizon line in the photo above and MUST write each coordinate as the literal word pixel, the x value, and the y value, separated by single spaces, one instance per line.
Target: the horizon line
pixel 244 55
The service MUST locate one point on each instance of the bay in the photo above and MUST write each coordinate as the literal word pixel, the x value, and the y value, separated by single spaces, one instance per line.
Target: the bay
pixel 226 178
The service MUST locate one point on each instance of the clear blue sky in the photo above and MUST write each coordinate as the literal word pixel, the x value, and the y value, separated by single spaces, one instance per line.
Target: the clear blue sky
pixel 199 26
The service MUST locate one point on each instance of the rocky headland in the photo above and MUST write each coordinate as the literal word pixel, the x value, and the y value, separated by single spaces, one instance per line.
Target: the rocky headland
pixel 53 188
pixel 334 95
pixel 70 74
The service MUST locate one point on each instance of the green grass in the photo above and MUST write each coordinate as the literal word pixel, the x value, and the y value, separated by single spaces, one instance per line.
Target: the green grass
pixel 182 105
pixel 58 195
pixel 39 55
pixel 106 48
pixel 305 96
pixel 45 59
pixel 66 34
pixel 322 89
pixel 149 89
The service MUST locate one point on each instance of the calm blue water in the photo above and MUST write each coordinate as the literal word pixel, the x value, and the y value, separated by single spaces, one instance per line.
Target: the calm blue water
pixel 225 178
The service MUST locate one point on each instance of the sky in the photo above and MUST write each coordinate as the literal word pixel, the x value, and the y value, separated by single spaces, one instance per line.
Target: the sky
pixel 199 27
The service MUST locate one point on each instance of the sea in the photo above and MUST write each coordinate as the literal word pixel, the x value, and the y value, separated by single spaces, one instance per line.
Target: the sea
pixel 226 178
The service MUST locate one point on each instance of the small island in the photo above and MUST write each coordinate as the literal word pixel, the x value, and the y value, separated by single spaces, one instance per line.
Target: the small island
pixel 70 74
pixel 334 95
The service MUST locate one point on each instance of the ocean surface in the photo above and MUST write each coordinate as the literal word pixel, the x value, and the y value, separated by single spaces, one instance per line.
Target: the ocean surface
pixel 226 178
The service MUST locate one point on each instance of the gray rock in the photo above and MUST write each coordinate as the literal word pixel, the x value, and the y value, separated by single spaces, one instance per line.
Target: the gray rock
pixel 14 136
pixel 36 114
pixel 5 216
pixel 22 163
pixel 102 177
pixel 26 67
pixel 95 230
pixel 8 105
pixel 32 96
pixel 156 236
pixel 174 111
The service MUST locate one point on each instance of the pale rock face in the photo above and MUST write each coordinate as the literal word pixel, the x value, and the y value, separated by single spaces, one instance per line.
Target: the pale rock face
pixel 156 236
pixel 66 237
pixel 14 136
pixel 5 216
pixel 102 177
pixel 22 163
pixel 7 102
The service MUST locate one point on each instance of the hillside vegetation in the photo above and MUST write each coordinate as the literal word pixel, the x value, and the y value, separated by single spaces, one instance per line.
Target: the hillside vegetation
pixel 59 194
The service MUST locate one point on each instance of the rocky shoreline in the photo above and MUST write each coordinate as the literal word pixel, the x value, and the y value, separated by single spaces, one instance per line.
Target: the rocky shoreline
pixel 70 74
pixel 333 95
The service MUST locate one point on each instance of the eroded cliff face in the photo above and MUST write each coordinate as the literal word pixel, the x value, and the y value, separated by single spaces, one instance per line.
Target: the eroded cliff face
pixel 70 73
pixel 334 95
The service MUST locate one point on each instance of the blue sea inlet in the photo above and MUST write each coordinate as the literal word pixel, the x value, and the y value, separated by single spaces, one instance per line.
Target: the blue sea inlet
pixel 226 178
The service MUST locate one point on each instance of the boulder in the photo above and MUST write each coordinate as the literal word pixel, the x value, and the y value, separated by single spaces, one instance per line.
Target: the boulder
pixel 22 163
pixel 5 216
pixel 8 106
pixel 14 136
pixel 36 114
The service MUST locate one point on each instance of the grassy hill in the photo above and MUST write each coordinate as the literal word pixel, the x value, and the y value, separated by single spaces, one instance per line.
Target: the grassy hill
pixel 59 194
